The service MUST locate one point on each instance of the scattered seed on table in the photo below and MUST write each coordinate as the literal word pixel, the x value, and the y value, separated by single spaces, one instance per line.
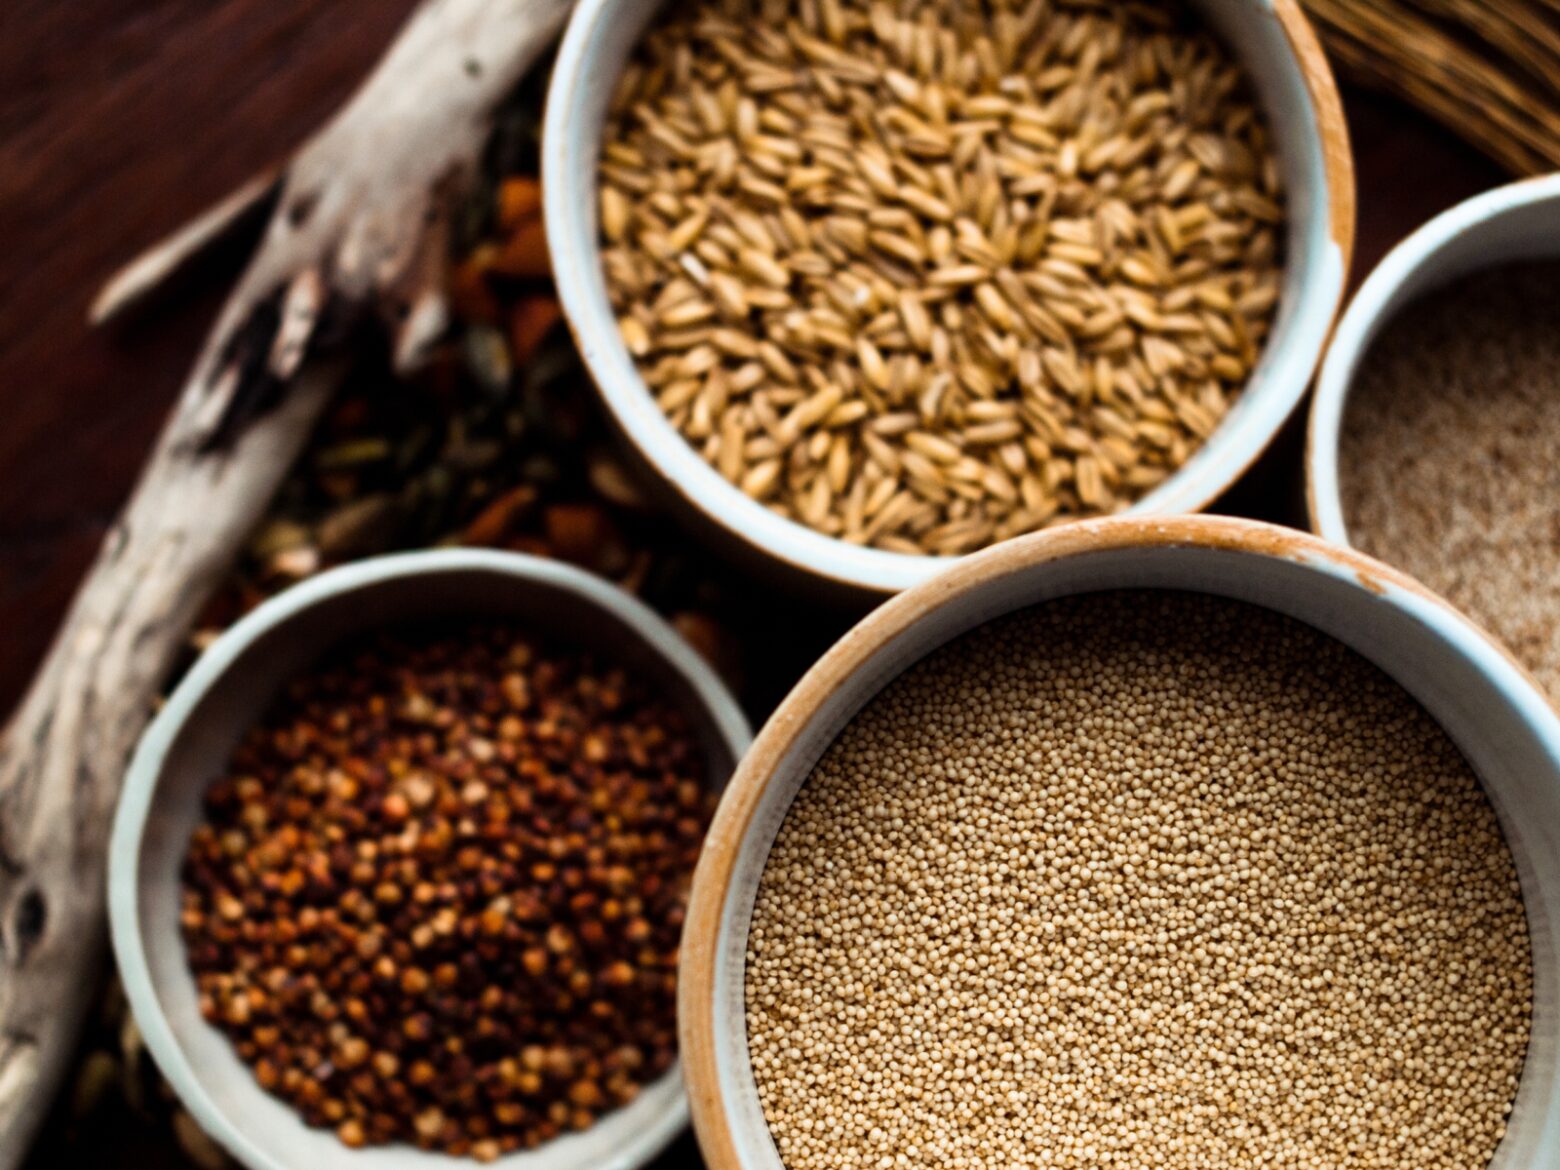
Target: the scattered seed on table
pixel 437 897
pixel 922 209
pixel 1139 879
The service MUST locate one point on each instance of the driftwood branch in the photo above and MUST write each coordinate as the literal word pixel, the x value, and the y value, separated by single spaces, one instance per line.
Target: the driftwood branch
pixel 157 265
pixel 359 229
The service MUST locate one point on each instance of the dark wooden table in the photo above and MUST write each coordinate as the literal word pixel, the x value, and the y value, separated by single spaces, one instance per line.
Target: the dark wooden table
pixel 119 119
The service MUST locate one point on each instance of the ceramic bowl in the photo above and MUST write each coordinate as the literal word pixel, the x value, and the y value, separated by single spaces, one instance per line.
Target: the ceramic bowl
pixel 1516 222
pixel 1482 699
pixel 188 745
pixel 1279 50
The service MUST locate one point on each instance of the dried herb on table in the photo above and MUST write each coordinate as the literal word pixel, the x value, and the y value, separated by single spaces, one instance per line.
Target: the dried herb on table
pixel 497 447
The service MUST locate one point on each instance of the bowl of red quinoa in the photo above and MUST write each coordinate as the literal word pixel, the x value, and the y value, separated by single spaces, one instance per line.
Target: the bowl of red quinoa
pixel 866 287
pixel 1436 420
pixel 400 868
pixel 1185 842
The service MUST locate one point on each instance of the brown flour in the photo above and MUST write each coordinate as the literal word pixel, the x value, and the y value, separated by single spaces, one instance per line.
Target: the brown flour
pixel 1449 465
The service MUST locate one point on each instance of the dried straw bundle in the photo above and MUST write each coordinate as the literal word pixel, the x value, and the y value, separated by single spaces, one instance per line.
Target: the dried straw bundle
pixel 1487 69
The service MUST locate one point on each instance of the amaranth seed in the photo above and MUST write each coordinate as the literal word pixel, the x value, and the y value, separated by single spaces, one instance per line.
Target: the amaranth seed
pixel 1139 879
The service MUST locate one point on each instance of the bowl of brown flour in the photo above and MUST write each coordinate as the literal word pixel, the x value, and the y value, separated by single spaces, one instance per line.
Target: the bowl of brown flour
pixel 1435 431
pixel 1188 843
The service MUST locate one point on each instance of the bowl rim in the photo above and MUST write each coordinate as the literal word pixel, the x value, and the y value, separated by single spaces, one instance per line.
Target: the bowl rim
pixel 700 491
pixel 227 652
pixel 1372 307
pixel 698 983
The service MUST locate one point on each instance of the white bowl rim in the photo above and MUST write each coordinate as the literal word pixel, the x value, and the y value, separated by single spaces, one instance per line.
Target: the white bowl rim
pixel 1370 309
pixel 752 525
pixel 141 777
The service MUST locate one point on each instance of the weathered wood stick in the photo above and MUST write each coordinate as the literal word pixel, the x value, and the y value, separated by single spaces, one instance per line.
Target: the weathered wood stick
pixel 359 229
pixel 160 263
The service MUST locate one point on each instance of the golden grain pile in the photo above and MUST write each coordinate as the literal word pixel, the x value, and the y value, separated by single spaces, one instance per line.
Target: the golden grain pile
pixel 1139 880
pixel 926 275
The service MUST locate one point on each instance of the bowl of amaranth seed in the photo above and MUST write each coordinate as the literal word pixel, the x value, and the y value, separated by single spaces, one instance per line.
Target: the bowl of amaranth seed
pixel 1194 842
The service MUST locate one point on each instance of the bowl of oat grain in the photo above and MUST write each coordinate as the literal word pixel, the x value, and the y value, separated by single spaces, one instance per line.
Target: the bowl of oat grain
pixel 1192 842
pixel 869 286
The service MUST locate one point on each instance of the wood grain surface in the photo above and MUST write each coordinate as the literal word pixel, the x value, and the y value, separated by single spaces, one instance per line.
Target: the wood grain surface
pixel 119 119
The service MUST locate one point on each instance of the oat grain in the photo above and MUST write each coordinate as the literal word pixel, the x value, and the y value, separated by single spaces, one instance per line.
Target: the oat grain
pixel 932 206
